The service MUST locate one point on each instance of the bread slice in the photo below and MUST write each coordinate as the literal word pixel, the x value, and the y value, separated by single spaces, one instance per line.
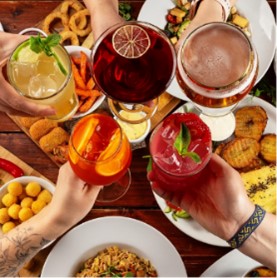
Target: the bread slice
pixel 261 187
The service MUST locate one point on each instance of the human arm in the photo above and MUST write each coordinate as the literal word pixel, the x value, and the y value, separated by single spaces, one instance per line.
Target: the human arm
pixel 104 14
pixel 10 101
pixel 71 202
pixel 208 11
pixel 220 204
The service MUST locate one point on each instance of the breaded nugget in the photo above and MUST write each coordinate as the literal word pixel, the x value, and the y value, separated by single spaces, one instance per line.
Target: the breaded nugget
pixel 268 148
pixel 54 138
pixel 240 152
pixel 250 122
pixel 41 128
pixel 28 121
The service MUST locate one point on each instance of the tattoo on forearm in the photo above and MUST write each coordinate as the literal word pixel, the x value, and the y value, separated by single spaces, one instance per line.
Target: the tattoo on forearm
pixel 17 247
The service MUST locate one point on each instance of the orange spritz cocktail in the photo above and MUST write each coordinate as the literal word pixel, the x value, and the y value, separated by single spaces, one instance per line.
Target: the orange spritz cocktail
pixel 99 152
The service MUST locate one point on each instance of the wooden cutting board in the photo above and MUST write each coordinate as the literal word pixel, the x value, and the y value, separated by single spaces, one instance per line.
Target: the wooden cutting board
pixel 28 170
pixel 34 267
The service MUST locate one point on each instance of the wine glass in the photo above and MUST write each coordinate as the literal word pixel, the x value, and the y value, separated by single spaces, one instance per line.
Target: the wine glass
pixel 133 63
pixel 100 154
pixel 217 67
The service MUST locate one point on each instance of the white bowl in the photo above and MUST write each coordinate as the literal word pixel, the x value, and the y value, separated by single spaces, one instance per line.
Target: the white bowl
pixel 24 180
pixel 87 239
pixel 75 50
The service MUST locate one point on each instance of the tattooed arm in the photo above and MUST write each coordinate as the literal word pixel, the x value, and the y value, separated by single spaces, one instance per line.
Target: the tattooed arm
pixel 71 202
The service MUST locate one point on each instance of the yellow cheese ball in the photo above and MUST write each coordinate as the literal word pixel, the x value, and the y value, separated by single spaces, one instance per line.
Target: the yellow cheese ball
pixel 8 226
pixel 25 214
pixel 27 202
pixel 13 211
pixel 15 188
pixel 45 196
pixel 4 216
pixel 9 199
pixel 33 189
pixel 37 206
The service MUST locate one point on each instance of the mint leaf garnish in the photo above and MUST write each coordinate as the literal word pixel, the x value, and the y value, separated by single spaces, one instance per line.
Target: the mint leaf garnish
pixel 149 165
pixel 38 44
pixel 182 143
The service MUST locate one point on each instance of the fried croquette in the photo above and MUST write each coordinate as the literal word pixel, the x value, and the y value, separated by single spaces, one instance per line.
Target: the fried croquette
pixel 27 122
pixel 41 128
pixel 54 138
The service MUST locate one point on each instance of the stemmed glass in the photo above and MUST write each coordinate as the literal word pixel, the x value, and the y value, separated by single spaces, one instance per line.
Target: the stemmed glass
pixel 217 67
pixel 133 63
pixel 100 154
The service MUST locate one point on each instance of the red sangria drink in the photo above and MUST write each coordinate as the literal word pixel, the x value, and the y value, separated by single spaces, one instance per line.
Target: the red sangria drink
pixel 180 148
pixel 133 63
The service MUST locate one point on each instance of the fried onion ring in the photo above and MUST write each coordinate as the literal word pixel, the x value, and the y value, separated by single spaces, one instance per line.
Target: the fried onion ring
pixel 72 4
pixel 69 35
pixel 73 23
pixel 51 18
pixel 75 5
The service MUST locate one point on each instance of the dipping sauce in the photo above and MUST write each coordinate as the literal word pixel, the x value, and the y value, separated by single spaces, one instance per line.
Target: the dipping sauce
pixel 133 131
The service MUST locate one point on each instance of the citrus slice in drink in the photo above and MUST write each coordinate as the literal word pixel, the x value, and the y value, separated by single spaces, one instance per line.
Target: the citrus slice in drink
pixel 25 54
pixel 112 166
pixel 80 142
pixel 131 41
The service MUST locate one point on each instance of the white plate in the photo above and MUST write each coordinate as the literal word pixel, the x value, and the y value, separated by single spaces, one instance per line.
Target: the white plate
pixel 1 27
pixel 189 226
pixel 87 239
pixel 233 264
pixel 262 24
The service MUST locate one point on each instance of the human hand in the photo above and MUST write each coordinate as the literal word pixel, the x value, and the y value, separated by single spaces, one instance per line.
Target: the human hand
pixel 218 201
pixel 73 198
pixel 10 101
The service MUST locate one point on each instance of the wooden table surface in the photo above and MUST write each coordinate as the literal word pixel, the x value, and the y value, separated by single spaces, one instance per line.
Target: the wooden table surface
pixel 139 202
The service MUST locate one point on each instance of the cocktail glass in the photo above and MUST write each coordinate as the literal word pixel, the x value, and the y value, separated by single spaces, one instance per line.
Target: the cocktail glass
pixel 100 154
pixel 39 78
pixel 133 63
pixel 217 67
pixel 180 147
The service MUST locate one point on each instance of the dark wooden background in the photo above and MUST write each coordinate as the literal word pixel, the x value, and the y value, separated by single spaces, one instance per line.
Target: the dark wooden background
pixel 139 202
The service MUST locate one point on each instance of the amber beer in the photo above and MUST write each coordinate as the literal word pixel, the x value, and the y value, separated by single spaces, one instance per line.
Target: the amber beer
pixel 217 66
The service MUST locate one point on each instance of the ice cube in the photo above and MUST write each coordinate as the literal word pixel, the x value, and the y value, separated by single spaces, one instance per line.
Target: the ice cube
pixel 168 133
pixel 22 72
pixel 42 86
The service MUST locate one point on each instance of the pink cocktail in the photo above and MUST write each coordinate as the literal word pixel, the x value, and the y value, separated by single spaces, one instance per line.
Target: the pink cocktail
pixel 180 147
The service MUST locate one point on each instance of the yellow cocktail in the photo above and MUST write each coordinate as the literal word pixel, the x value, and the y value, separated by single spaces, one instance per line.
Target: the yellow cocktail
pixel 45 79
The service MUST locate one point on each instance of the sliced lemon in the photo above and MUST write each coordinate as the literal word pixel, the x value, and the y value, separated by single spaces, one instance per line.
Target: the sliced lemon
pixel 131 41
pixel 24 54
pixel 80 142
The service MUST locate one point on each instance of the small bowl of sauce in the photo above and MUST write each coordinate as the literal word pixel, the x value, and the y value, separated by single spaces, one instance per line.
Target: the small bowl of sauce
pixel 136 133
